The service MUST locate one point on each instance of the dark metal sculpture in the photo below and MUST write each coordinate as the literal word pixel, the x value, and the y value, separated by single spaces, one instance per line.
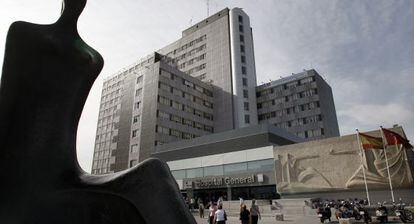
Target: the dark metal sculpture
pixel 47 74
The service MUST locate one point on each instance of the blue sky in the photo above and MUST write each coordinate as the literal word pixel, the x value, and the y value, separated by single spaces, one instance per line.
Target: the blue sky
pixel 364 49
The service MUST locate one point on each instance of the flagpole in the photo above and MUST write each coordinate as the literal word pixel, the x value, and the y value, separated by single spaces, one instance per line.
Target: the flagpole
pixel 386 162
pixel 363 167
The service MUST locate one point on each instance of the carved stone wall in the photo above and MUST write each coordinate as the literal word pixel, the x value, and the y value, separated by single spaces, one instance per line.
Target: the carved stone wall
pixel 335 164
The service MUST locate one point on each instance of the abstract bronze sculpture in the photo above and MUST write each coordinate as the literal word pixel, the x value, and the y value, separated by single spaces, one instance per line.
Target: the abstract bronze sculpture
pixel 47 74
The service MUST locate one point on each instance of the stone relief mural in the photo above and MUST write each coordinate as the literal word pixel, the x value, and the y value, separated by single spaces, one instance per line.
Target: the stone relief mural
pixel 376 169
pixel 335 164
pixel 296 177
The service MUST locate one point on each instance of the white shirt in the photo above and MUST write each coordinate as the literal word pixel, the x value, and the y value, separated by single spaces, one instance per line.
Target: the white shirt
pixel 220 215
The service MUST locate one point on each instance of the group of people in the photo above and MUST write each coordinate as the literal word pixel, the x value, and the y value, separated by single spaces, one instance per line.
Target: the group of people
pixel 217 215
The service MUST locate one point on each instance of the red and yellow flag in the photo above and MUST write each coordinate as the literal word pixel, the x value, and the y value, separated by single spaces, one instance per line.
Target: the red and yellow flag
pixel 396 139
pixel 370 142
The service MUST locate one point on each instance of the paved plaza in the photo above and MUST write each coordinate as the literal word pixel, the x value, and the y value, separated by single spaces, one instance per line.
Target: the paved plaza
pixel 288 220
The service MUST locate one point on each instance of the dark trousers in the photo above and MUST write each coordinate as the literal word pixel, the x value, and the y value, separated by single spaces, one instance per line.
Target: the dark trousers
pixel 211 219
pixel 221 222
pixel 255 218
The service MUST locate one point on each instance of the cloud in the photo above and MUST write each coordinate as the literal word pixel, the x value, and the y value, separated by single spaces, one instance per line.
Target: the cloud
pixel 371 114
pixel 365 49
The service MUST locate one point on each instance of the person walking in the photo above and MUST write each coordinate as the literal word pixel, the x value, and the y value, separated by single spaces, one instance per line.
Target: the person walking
pixel 244 215
pixel 254 212
pixel 200 207
pixel 212 211
pixel 220 216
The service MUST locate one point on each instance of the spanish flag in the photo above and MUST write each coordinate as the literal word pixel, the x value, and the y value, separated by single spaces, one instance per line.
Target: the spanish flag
pixel 370 142
pixel 396 139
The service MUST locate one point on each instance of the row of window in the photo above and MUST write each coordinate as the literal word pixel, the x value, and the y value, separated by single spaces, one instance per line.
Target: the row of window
pixel 107 87
pixel 102 145
pixel 185 82
pixel 196 69
pixel 101 162
pixel 185 95
pixel 187 45
pixel 109 111
pixel 101 153
pixel 286 86
pixel 311 133
pixel 174 132
pixel 109 102
pixel 192 61
pixel 110 95
pixel 290 110
pixel 293 97
pixel 295 122
pixel 227 169
pixel 179 106
pixel 184 121
pixel 187 54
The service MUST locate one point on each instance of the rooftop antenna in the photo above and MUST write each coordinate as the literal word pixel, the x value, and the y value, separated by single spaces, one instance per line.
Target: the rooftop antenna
pixel 191 21
pixel 208 7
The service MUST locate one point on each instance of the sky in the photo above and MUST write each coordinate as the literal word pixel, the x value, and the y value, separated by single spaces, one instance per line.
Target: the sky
pixel 363 48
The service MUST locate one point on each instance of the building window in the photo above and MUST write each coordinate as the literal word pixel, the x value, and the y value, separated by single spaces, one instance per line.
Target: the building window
pixel 136 119
pixel 243 59
pixel 235 168
pixel 176 118
pixel 198 113
pixel 246 106
pixel 240 19
pixel 188 109
pixel 133 163
pixel 244 81
pixel 187 136
pixel 208 128
pixel 199 125
pixel 138 92
pixel 134 148
pixel 137 104
pixel 208 92
pixel 139 79
pixel 241 38
pixel 213 171
pixel 162 130
pixel 244 71
pixel 178 174
pixel 176 105
pixel 193 173
pixel 247 119
pixel 162 114
pixel 242 49
pixel 175 133
pixel 188 83
pixel 245 93
pixel 208 116
pixel 134 133
pixel 208 104
pixel 188 122
pixel 164 100
pixel 241 28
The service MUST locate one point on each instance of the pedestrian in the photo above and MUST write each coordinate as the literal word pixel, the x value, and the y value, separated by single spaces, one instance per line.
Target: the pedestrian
pixel 220 201
pixel 212 211
pixel 200 207
pixel 244 215
pixel 220 216
pixel 254 212
pixel 192 202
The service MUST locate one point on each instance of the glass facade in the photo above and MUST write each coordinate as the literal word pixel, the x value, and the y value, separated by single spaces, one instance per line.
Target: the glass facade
pixel 226 169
